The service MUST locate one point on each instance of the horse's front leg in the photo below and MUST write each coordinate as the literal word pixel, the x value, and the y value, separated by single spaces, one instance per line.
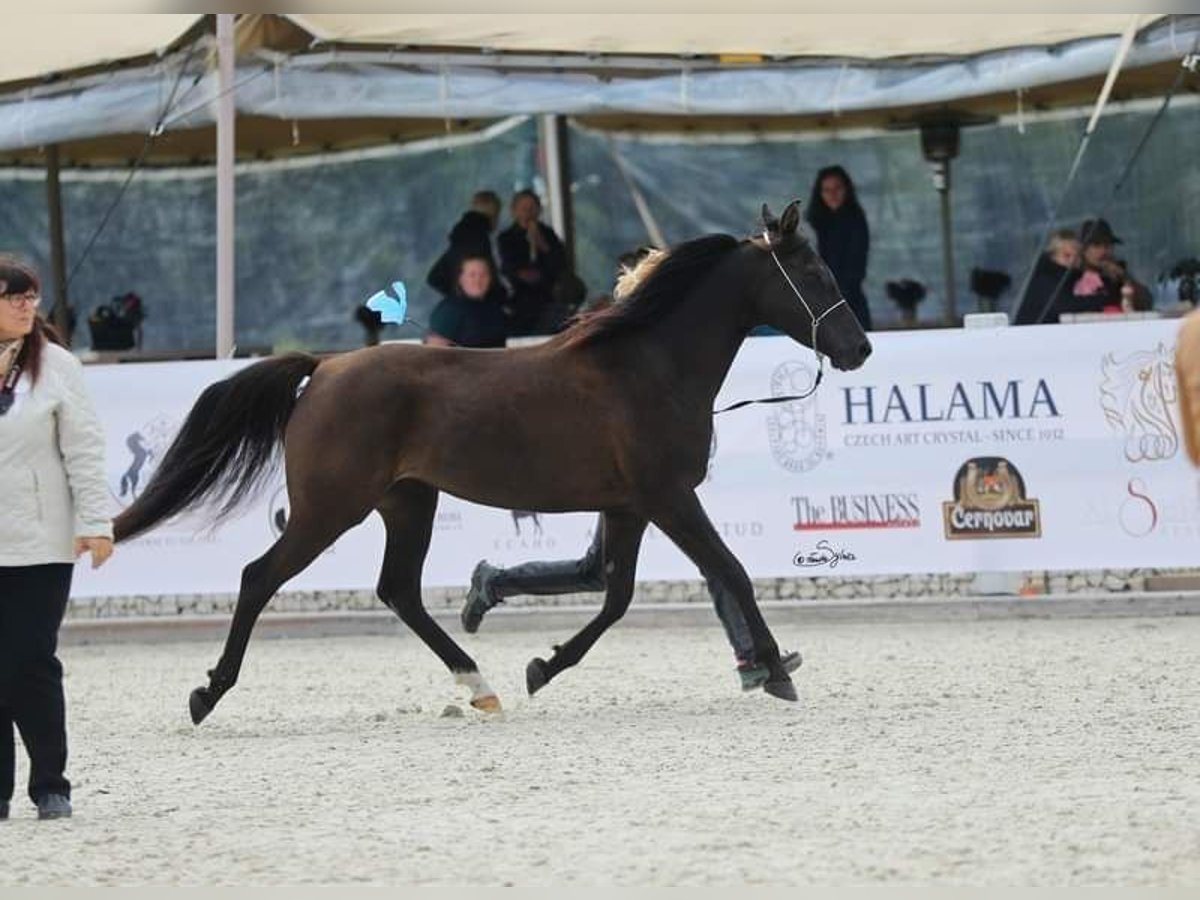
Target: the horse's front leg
pixel 683 520
pixel 622 536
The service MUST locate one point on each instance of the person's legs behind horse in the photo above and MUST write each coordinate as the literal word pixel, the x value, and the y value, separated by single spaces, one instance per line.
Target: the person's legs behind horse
pixel 752 674
pixel 492 584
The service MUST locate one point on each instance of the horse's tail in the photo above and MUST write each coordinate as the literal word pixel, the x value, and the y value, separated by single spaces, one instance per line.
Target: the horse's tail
pixel 226 447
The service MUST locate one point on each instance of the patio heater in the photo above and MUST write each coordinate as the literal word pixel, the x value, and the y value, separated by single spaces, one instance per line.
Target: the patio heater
pixel 939 145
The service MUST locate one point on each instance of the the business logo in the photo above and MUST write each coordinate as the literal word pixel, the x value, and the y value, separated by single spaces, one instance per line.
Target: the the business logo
pixel 990 501
pixel 845 512
pixel 1136 393
pixel 984 401
pixel 796 430
pixel 145 447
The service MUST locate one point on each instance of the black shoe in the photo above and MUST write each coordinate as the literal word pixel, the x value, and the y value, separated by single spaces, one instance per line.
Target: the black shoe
pixel 3 809
pixel 479 598
pixel 755 675
pixel 54 806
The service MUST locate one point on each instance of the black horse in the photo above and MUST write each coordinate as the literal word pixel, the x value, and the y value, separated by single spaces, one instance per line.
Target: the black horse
pixel 614 414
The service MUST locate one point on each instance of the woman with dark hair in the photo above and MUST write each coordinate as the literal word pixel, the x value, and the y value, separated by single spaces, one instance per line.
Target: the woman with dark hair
pixel 53 508
pixel 843 238
pixel 471 315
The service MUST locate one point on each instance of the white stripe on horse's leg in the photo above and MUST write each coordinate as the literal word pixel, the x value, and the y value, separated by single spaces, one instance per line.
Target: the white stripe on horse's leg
pixel 482 696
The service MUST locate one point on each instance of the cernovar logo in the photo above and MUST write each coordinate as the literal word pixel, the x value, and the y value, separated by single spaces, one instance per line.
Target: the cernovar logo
pixel 796 430
pixel 963 402
pixel 990 501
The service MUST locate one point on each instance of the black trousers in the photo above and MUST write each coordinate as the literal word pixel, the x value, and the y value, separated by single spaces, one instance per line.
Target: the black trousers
pixel 32 602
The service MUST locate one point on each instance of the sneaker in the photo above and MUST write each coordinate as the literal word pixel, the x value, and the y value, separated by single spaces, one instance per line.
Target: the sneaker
pixel 480 597
pixel 54 806
pixel 754 675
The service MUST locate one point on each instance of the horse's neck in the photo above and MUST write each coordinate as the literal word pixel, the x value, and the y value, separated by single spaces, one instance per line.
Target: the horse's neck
pixel 698 341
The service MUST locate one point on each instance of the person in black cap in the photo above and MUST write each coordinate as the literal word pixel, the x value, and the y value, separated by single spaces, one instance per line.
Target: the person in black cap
pixel 1105 280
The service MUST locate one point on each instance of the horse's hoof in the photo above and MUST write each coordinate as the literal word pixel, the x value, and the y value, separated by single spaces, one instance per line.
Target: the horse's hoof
pixel 488 704
pixel 536 676
pixel 200 705
pixel 782 688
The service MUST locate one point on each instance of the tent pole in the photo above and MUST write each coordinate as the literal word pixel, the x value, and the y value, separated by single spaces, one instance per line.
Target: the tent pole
pixel 60 311
pixel 552 131
pixel 225 185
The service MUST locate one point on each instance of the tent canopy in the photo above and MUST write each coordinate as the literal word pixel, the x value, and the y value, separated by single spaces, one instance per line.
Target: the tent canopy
pixel 44 45
pixel 320 82
pixel 682 32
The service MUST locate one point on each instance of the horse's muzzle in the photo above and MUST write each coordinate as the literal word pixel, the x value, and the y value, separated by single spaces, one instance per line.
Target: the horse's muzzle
pixel 852 358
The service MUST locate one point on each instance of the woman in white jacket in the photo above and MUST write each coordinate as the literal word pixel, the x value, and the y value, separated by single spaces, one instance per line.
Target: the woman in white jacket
pixel 53 508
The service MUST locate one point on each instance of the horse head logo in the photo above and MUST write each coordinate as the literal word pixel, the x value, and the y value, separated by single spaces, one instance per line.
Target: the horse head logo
pixel 1136 395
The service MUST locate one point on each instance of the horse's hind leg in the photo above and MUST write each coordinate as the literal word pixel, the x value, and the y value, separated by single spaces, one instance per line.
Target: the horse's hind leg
pixel 303 540
pixel 684 521
pixel 623 532
pixel 408 510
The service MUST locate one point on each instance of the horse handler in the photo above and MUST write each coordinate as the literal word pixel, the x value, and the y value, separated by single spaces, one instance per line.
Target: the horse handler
pixel 53 508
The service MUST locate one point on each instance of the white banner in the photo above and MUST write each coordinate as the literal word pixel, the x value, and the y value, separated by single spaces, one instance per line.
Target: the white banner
pixel 1049 447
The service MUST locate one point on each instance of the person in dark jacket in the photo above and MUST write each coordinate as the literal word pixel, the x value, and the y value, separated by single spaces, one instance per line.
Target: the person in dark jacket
pixel 1051 290
pixel 470 236
pixel 471 315
pixel 843 238
pixel 532 259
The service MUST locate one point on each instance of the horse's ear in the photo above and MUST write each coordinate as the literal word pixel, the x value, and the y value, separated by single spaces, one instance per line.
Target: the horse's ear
pixel 791 218
pixel 769 222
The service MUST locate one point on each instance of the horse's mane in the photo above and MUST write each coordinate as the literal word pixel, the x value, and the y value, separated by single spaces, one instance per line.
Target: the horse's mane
pixel 649 291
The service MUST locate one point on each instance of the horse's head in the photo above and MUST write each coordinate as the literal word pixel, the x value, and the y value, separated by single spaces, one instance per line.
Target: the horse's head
pixel 799 296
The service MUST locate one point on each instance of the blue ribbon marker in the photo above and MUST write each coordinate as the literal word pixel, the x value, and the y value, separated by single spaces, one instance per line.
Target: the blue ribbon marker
pixel 390 309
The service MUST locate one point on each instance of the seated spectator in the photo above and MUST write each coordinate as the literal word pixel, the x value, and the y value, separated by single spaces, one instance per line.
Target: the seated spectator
pixel 1054 277
pixel 532 259
pixel 471 315
pixel 471 236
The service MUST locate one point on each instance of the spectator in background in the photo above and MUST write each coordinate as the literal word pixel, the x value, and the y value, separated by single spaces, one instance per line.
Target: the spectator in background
pixel 471 315
pixel 471 236
pixel 1050 290
pixel 532 259
pixel 843 238
pixel 1105 280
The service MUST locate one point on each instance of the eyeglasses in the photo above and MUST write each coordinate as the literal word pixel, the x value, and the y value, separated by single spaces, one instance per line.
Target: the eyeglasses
pixel 16 301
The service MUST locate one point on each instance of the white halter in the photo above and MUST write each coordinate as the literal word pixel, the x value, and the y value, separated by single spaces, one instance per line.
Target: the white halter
pixel 816 320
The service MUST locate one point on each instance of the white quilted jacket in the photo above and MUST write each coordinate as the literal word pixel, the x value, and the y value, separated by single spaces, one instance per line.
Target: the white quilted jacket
pixel 52 486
